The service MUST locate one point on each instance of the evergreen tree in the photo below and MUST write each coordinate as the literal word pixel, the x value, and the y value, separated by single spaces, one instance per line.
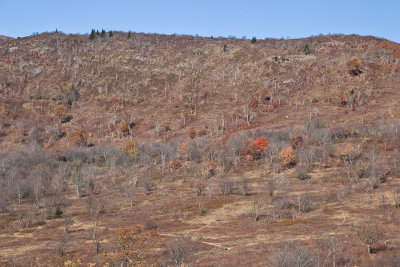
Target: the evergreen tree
pixel 225 48
pixel 92 34
pixel 306 50
pixel 110 34
pixel 103 33
pixel 254 40
pixel 97 32
pixel 129 35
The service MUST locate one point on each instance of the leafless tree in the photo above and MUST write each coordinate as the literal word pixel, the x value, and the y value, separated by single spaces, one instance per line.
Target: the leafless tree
pixel 178 250
pixel 246 187
pixel 334 248
pixel 304 203
pixel 226 186
pixel 256 205
pixel 290 254
pixel 370 234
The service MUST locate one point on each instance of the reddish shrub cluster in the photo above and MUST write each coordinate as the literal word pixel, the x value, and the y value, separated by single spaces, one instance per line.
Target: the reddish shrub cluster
pixel 253 148
pixel 174 164
pixel 192 133
pixel 296 141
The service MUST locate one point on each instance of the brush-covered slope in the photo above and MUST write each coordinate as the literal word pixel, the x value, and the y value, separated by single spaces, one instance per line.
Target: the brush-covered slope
pixel 173 81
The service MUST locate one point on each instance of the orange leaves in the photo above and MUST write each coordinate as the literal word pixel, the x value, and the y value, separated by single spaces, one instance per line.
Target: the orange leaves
pixel 347 152
pixel 192 133
pixel 182 149
pixel 130 148
pixel 124 128
pixel 60 112
pixel 286 157
pixel 354 67
pixel 79 137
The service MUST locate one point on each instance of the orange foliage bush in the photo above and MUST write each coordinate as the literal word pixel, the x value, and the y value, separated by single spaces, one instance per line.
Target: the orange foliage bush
pixel 192 133
pixel 286 157
pixel 60 112
pixel 124 128
pixel 79 137
pixel 347 152
pixel 182 148
pixel 130 148
pixel 354 67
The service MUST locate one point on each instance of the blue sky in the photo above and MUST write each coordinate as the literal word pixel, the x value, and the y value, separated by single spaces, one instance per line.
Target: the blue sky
pixel 279 18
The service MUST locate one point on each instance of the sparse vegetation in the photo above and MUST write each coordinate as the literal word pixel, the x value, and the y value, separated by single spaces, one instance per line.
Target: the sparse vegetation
pixel 195 145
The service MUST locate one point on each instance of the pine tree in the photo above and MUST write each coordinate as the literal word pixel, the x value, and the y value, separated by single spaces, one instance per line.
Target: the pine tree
pixel 306 50
pixel 110 34
pixel 254 40
pixel 92 34
pixel 103 33
pixel 225 48
pixel 129 35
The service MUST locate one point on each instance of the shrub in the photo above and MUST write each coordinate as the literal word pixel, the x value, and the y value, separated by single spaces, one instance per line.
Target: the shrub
pixel 124 128
pixel 347 152
pixel 260 145
pixel 130 148
pixel 286 157
pixel 253 149
pixel 58 212
pixel 192 133
pixel 296 141
pixel 79 137
pixel 302 172
pixel 304 204
pixel 60 112
pixel 354 67
pixel 182 149
pixel 174 164
pixel 226 186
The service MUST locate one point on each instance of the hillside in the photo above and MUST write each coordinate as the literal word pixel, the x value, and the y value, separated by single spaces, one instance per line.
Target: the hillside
pixel 4 38
pixel 167 131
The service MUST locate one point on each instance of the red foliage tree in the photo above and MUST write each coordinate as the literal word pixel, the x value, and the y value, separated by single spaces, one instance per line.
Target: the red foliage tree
pixel 254 148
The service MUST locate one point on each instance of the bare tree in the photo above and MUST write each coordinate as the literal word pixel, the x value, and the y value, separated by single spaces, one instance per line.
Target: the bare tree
pixel 370 234
pixel 178 250
pixel 256 205
pixel 226 186
pixel 335 247
pixel 290 255
pixel 246 187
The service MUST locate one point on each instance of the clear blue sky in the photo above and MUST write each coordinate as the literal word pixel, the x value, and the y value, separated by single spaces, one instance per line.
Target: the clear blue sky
pixel 278 18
